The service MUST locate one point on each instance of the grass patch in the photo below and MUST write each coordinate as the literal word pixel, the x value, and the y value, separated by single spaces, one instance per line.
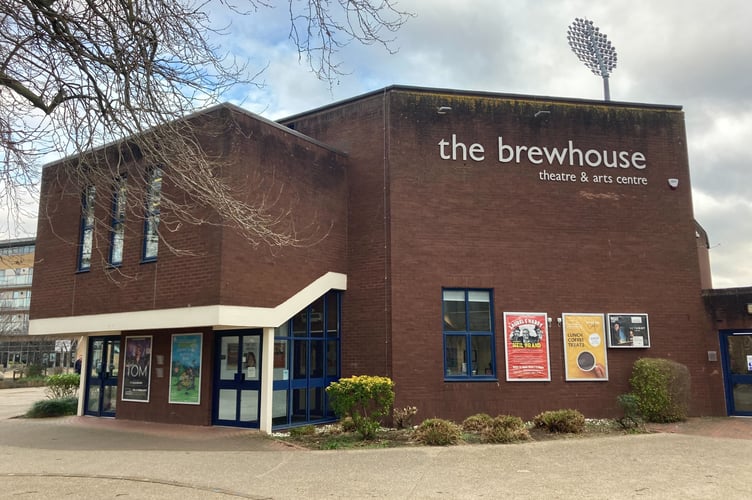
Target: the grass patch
pixel 9 383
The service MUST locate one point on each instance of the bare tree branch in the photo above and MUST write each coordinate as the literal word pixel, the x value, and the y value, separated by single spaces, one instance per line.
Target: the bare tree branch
pixel 79 74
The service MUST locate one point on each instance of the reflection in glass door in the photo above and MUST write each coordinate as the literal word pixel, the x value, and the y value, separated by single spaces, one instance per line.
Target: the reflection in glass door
pixel 737 364
pixel 102 376
pixel 306 361
pixel 237 379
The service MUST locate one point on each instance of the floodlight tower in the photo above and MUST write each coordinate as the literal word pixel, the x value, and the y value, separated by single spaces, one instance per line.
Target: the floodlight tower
pixel 594 49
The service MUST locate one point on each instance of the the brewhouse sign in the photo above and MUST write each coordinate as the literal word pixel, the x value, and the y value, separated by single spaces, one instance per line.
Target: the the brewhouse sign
pixel 615 167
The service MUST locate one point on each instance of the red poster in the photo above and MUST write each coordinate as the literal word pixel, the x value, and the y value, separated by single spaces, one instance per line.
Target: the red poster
pixel 526 342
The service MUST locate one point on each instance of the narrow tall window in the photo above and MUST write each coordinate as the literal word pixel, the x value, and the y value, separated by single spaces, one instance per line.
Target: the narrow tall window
pixel 468 334
pixel 117 235
pixel 87 228
pixel 151 224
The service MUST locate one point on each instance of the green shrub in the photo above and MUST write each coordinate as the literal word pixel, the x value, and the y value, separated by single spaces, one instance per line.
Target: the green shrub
pixel 34 370
pixel 629 404
pixel 365 399
pixel 661 387
pixel 569 421
pixel 438 432
pixel 505 429
pixel 403 418
pixel 63 385
pixel 53 408
pixel 477 422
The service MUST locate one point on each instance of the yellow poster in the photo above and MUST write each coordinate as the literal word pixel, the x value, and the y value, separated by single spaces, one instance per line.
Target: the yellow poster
pixel 585 347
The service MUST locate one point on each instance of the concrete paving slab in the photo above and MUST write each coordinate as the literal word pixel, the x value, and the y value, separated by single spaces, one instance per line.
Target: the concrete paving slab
pixel 107 458
pixel 16 402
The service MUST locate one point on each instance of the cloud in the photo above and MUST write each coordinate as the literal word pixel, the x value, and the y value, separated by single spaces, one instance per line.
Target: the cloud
pixel 693 54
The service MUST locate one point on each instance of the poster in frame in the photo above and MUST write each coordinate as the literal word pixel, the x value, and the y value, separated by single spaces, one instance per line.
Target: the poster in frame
pixel 137 369
pixel 526 347
pixel 185 369
pixel 627 330
pixel 585 353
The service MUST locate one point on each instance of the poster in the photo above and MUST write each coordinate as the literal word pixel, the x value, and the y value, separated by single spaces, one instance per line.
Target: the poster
pixel 584 347
pixel 137 373
pixel 185 369
pixel 628 330
pixel 526 346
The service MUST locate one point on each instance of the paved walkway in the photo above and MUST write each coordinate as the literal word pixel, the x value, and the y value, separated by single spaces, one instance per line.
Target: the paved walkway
pixel 109 458
pixel 718 427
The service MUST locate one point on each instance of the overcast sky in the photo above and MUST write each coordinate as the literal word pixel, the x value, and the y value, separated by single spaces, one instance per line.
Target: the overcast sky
pixel 693 53
pixel 697 54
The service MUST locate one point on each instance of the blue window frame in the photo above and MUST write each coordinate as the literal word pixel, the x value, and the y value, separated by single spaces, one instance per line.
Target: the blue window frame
pixel 87 228
pixel 468 334
pixel 306 361
pixel 117 232
pixel 151 221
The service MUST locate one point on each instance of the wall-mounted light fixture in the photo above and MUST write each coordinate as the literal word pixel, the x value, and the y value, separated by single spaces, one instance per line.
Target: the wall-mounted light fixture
pixel 673 183
pixel 558 321
pixel 442 110
pixel 550 320
pixel 542 112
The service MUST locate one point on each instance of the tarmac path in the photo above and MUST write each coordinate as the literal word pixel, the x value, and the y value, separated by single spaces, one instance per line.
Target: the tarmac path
pixel 104 458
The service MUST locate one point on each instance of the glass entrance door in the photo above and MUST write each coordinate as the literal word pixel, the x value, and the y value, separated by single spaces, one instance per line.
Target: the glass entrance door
pixel 237 378
pixel 102 376
pixel 737 365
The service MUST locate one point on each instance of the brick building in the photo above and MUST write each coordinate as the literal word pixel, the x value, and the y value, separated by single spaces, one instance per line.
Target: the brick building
pixel 488 252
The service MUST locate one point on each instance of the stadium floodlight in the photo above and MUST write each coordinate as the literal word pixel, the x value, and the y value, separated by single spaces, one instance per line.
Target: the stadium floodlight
pixel 594 49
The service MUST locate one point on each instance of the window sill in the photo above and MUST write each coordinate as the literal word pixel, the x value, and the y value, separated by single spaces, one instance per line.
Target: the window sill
pixel 469 378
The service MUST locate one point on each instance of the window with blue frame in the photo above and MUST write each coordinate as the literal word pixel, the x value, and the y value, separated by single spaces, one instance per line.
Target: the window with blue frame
pixel 468 334
pixel 306 361
pixel 87 228
pixel 117 234
pixel 151 222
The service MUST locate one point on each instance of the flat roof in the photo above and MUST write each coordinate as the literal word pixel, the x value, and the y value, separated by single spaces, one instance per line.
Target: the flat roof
pixel 478 93
pixel 745 292
pixel 19 242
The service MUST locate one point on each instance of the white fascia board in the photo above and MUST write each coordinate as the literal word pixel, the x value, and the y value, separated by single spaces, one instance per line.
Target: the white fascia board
pixel 217 316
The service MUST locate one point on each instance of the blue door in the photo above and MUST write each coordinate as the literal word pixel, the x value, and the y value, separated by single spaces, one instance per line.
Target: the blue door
pixel 237 379
pixel 103 361
pixel 306 361
pixel 736 352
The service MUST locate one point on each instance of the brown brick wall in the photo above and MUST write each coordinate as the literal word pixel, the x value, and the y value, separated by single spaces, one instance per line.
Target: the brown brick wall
pixel 158 409
pixel 171 281
pixel 302 183
pixel 541 246
pixel 727 308
pixel 412 223
pixel 358 130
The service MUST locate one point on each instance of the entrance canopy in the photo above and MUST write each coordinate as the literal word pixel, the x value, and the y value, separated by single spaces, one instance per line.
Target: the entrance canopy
pixel 221 317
